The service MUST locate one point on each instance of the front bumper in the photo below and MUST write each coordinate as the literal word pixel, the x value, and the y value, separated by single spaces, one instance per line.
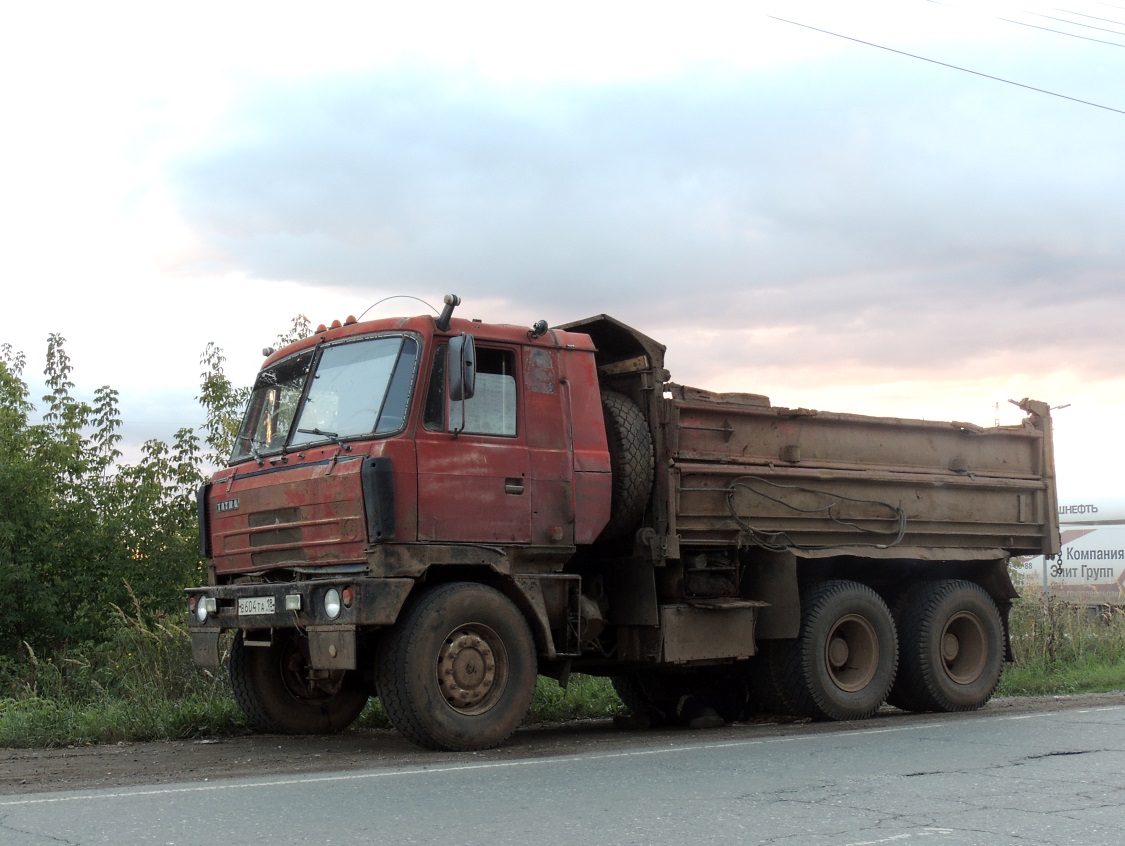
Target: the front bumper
pixel 296 605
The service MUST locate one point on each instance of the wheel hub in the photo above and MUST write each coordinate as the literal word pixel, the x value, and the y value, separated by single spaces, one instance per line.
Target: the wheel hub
pixel 301 680
pixel 851 653
pixel 467 670
pixel 964 648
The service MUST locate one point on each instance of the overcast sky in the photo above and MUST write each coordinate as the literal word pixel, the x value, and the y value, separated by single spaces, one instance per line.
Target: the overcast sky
pixel 793 212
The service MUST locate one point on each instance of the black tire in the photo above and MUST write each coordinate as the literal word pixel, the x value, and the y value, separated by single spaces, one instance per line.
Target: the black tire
pixel 458 671
pixel 271 685
pixel 658 695
pixel 842 664
pixel 631 461
pixel 952 648
pixel 901 696
pixel 633 696
pixel 766 695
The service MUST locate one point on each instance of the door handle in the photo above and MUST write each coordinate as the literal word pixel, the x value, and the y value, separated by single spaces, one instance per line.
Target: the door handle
pixel 513 486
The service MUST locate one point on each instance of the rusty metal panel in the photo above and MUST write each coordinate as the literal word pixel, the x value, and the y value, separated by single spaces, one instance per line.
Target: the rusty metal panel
pixel 332 647
pixel 692 633
pixel 205 647
pixel 747 473
pixel 307 512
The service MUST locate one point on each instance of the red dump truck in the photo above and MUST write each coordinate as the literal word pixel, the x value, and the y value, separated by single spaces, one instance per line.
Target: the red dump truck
pixel 436 510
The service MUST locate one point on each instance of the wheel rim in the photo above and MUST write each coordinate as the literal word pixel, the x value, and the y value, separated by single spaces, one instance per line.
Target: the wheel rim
pixel 295 675
pixel 851 653
pixel 472 668
pixel 964 647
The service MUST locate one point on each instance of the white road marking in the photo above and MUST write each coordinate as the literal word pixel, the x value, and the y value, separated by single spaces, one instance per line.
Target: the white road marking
pixel 496 765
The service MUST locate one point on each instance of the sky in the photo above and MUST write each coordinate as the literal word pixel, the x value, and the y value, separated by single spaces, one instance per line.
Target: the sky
pixel 910 208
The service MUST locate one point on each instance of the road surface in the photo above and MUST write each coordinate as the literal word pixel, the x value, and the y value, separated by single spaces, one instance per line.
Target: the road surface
pixel 1003 776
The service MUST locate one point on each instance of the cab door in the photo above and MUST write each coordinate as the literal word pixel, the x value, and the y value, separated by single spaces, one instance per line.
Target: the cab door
pixel 473 464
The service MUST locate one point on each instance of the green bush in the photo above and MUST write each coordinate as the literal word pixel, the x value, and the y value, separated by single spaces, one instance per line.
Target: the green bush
pixel 1065 647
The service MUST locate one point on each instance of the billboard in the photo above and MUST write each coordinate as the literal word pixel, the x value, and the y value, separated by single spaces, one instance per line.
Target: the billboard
pixel 1092 559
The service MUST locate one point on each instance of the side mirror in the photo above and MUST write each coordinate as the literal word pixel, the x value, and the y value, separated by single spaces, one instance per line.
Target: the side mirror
pixel 462 367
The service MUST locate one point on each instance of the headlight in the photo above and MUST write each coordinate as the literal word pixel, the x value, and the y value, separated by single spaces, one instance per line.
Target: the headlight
pixel 206 605
pixel 332 603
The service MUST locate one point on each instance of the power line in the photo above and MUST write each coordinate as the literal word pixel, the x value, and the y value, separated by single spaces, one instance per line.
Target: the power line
pixel 947 65
pixel 1076 23
pixel 1093 17
pixel 1061 32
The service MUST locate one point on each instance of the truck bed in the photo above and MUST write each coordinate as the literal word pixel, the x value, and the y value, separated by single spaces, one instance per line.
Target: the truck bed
pixel 824 484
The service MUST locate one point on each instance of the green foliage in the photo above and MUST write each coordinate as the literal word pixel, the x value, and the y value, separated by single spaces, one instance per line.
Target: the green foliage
pixel 137 682
pixel 77 527
pixel 584 697
pixel 1065 647
pixel 223 402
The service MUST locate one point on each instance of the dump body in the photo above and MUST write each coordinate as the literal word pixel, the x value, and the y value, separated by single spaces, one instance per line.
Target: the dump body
pixel 822 484
pixel 434 510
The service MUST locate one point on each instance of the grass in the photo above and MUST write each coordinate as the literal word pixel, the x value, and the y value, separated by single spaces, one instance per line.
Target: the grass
pixel 1065 647
pixel 140 682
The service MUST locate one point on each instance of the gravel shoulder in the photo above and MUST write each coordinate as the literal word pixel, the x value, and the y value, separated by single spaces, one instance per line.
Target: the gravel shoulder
pixel 131 764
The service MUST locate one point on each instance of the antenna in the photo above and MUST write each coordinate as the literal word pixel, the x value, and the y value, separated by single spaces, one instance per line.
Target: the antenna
pixel 397 297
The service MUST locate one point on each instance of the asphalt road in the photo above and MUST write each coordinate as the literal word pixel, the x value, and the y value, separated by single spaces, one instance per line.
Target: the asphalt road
pixel 1049 777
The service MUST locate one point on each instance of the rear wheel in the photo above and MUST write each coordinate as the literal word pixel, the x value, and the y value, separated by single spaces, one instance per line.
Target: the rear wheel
pixel 952 648
pixel 842 664
pixel 278 691
pixel 458 671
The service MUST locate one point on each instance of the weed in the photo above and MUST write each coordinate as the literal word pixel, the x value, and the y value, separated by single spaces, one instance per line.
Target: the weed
pixel 139 682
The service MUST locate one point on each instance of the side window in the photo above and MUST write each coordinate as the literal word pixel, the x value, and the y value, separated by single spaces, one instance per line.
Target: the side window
pixel 433 418
pixel 492 408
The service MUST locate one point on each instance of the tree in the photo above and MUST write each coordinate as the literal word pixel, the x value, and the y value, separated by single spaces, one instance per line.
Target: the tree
pixel 82 532
pixel 223 402
pixel 78 530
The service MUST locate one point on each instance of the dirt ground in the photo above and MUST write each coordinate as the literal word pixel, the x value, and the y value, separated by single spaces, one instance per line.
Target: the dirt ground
pixel 129 764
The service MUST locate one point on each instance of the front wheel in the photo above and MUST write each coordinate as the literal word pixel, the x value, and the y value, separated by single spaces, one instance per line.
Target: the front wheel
pixel 457 672
pixel 278 691
pixel 952 648
pixel 842 664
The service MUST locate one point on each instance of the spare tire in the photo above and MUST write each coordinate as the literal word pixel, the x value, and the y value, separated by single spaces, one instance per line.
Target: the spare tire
pixel 631 462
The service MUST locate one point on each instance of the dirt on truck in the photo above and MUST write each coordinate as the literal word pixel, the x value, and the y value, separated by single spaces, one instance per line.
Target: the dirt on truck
pixel 435 510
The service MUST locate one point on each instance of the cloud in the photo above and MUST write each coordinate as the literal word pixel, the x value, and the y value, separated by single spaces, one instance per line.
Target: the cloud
pixel 886 214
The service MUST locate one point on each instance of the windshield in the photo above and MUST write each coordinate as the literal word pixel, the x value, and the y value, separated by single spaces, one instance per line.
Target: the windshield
pixel 359 388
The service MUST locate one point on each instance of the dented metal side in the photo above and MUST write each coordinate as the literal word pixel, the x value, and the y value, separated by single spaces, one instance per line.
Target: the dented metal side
pixel 818 483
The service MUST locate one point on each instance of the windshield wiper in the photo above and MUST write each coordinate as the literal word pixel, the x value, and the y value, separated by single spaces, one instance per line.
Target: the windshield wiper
pixel 253 448
pixel 332 436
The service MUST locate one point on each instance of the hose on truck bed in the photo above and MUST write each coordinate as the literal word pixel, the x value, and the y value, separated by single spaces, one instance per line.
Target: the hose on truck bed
pixel 780 541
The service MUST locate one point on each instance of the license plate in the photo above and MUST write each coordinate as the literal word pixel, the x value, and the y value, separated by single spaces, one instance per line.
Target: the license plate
pixel 256 605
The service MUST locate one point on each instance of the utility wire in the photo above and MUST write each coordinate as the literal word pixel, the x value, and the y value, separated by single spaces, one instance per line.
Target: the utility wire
pixel 1076 23
pixel 1092 17
pixel 1049 29
pixel 947 65
pixel 1061 32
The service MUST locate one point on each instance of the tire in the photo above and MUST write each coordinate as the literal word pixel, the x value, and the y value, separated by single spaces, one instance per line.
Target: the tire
pixel 458 671
pixel 631 461
pixel 900 696
pixel 633 696
pixel 766 696
pixel 272 687
pixel 658 695
pixel 842 664
pixel 952 648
